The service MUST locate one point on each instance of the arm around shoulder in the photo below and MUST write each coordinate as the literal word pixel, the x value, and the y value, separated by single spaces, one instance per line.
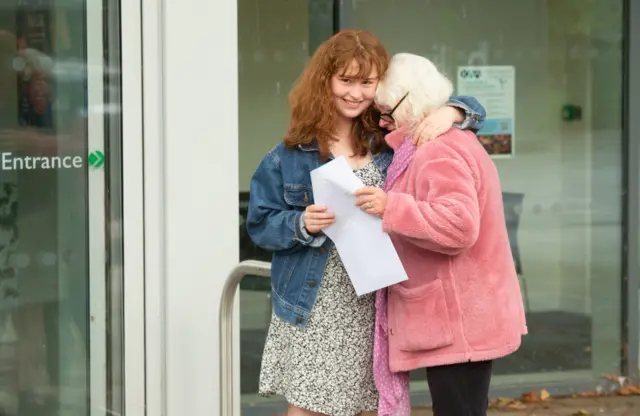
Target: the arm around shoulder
pixel 474 113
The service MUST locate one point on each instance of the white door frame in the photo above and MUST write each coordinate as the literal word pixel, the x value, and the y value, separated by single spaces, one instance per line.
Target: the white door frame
pixel 133 205
pixel 153 149
pixel 190 189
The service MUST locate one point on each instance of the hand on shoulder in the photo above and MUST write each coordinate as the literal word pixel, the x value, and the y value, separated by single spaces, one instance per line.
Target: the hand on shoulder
pixel 435 124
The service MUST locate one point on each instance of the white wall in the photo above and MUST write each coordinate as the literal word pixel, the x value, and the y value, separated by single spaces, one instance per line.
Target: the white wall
pixel 198 127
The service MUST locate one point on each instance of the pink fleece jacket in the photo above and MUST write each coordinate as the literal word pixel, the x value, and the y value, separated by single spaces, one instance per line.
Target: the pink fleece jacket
pixel 462 301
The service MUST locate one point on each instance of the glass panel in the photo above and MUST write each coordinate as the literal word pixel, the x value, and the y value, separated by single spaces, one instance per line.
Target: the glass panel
pixel 274 42
pixel 60 216
pixel 563 184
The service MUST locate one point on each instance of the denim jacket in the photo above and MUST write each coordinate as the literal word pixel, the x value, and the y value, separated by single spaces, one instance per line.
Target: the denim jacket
pixel 280 191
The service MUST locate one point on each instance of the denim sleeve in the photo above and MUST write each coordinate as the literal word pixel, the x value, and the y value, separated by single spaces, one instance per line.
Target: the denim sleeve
pixel 271 224
pixel 475 113
pixel 318 240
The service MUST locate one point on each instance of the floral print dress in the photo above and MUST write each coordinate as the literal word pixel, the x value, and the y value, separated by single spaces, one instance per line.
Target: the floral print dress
pixel 327 365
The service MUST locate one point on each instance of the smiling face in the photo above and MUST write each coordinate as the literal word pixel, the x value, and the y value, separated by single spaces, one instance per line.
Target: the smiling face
pixel 336 90
pixel 352 93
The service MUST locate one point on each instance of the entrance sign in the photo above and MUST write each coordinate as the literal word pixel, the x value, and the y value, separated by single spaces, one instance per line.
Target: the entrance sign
pixel 8 161
pixel 96 159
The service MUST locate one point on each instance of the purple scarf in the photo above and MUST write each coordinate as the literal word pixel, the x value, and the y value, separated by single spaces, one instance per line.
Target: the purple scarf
pixel 393 387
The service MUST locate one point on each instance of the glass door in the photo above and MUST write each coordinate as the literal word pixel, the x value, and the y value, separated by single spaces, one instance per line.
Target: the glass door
pixel 566 61
pixel 274 43
pixel 62 301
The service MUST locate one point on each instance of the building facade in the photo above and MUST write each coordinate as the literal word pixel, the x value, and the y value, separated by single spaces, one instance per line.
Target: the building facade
pixel 124 124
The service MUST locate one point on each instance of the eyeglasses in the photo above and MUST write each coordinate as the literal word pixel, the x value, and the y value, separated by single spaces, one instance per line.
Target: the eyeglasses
pixel 388 116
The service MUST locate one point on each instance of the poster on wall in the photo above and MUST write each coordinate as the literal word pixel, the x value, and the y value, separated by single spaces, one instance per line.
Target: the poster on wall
pixel 494 87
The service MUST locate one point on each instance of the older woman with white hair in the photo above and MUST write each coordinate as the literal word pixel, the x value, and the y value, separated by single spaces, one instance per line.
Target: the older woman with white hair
pixel 461 307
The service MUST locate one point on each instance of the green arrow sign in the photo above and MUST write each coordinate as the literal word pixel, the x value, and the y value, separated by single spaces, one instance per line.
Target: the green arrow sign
pixel 96 159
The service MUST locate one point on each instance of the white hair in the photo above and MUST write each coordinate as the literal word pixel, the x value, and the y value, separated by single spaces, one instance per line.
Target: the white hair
pixel 428 89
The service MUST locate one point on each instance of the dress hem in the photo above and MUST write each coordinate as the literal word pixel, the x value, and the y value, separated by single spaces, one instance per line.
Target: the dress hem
pixel 269 393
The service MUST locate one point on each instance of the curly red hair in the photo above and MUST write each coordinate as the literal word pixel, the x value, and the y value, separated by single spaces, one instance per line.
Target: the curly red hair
pixel 311 101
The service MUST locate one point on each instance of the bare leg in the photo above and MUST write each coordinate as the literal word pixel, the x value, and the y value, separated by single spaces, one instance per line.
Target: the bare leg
pixel 296 411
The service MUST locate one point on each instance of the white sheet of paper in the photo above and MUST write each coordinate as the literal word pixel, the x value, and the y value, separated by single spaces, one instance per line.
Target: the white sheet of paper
pixel 366 251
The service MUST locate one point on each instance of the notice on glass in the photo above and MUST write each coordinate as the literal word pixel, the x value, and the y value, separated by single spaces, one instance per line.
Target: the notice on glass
pixel 494 87
pixel 366 251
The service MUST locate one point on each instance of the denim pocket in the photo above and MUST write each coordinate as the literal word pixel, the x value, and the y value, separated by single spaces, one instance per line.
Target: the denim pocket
pixel 299 197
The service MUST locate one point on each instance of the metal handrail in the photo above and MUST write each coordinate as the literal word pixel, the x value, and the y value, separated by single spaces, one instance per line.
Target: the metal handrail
pixel 227 382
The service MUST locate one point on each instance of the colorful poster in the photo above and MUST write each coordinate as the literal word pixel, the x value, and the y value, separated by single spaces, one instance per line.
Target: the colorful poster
pixel 494 87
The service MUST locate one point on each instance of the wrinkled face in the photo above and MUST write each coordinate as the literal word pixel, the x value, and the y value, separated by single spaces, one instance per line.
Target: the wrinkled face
pixel 352 95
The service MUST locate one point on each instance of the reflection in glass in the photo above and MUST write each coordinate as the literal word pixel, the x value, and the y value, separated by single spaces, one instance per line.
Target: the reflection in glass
pixel 562 186
pixel 56 356
pixel 273 46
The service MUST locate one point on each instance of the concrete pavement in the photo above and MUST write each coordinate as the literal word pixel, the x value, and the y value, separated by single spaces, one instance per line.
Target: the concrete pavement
pixel 580 406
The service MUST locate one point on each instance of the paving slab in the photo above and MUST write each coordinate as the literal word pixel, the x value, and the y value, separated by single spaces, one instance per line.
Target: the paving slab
pixel 580 406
